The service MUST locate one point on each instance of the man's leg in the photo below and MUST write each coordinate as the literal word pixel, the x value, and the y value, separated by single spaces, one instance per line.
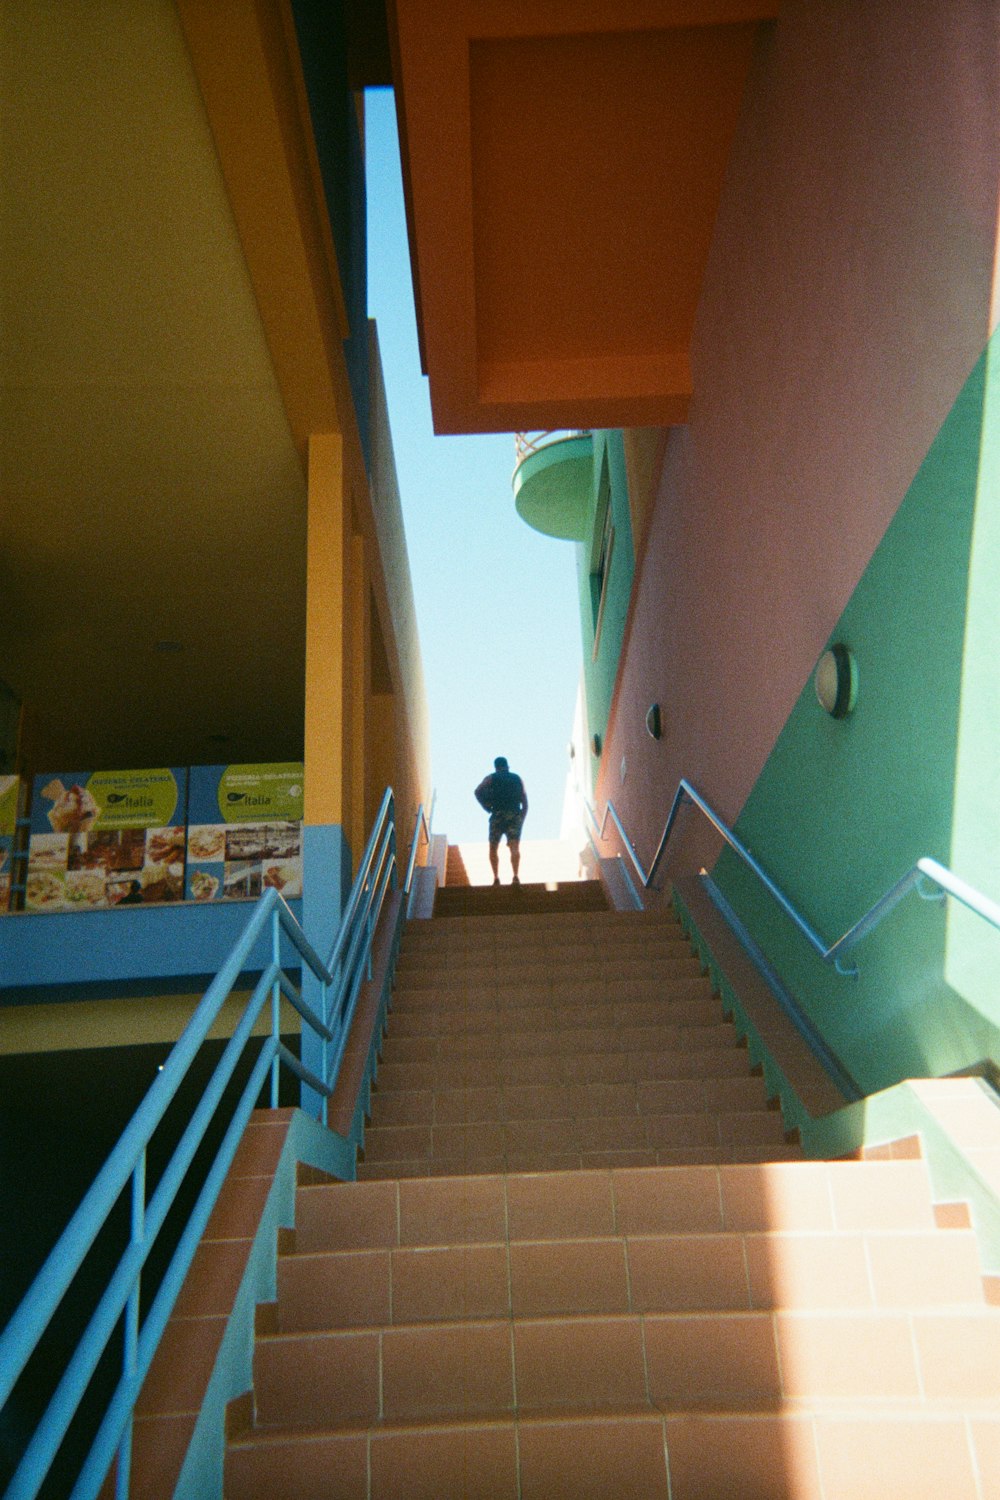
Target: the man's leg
pixel 495 862
pixel 514 845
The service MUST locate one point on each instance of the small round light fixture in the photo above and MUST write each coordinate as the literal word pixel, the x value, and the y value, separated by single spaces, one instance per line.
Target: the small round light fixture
pixel 654 723
pixel 837 681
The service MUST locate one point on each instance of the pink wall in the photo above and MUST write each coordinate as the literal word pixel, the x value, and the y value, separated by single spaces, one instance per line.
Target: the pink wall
pixel 847 296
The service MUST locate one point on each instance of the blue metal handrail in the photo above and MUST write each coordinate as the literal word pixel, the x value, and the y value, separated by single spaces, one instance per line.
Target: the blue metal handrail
pixel 944 881
pixel 340 981
pixel 426 821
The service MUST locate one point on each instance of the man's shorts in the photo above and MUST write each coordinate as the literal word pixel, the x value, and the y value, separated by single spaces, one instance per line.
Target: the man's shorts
pixel 508 823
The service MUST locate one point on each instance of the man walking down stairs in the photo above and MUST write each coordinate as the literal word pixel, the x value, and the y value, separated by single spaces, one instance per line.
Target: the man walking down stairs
pixel 583 1260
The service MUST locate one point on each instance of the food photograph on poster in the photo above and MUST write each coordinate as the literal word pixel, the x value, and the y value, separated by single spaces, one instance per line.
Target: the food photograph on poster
pixel 106 838
pixel 244 831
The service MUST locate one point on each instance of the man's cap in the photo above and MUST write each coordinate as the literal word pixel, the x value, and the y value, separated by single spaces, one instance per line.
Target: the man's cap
pixel 500 764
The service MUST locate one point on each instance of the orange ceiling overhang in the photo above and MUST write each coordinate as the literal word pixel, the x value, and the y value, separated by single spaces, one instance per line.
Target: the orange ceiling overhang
pixel 562 164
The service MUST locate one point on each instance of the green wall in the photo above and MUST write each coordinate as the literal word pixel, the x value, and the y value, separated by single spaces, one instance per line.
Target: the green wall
pixel 600 670
pixel 844 808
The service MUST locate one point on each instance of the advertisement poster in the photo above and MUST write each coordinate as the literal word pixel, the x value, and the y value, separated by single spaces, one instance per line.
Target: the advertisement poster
pixel 106 838
pixel 10 789
pixel 244 831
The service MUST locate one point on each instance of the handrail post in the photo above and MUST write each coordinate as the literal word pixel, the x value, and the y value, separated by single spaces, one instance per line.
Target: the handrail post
pixel 275 1002
pixel 130 1359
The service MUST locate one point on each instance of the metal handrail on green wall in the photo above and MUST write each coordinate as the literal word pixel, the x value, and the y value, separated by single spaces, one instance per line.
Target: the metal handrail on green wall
pixel 944 882
pixel 340 980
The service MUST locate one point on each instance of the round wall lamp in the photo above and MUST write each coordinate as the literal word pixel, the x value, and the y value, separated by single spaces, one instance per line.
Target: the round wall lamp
pixel 654 723
pixel 837 681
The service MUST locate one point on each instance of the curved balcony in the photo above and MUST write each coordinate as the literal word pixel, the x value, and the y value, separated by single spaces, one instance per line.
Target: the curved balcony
pixel 552 481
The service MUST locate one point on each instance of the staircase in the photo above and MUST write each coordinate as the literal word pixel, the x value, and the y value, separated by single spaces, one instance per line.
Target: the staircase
pixel 584 1261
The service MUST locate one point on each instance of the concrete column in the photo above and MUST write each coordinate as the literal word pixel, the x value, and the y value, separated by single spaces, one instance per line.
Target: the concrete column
pixel 326 846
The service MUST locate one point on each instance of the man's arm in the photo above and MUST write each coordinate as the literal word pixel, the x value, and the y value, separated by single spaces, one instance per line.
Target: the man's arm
pixel 524 800
pixel 483 793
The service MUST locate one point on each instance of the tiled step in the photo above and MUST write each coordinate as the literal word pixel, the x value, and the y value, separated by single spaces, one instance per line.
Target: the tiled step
pixel 671 1361
pixel 683 1006
pixel 769 1455
pixel 494 1142
pixel 575 1100
pixel 817 1271
pixel 782 1331
pixel 514 902
pixel 798 1197
pixel 568 1067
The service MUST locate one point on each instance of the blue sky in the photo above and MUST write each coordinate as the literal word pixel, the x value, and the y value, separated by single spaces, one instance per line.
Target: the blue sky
pixel 496 602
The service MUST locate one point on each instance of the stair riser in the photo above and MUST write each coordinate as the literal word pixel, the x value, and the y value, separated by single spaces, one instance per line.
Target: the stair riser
pixel 589 1067
pixel 573 1040
pixel 552 1101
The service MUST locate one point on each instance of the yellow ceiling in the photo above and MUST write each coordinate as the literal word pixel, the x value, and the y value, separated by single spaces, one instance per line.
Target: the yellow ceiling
pixel 150 488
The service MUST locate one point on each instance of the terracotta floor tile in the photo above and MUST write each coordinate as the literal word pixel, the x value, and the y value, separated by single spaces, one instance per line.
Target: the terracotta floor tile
pixel 959 1354
pixel 599 1098
pixel 456 1370
pixel 520 1071
pixel 213 1280
pixel 673 1130
pixel 637 1156
pixel 320 1468
pixel 921 1270
pixel 452 1210
pixel 418 1075
pixel 543 1161
pixel 750 1127
pixel 182 1366
pixel 831 1355
pixel 808 1270
pixel 317 1380
pixel 985 1435
pixel 481 1138
pixel 397 1143
pixel 463 1282
pixel 777 1197
pixel 592 1460
pixel 759 1457
pixel 403 1107
pixel 692 1156
pixel 580 1362
pixel 673 1273
pixel 542 1135
pixel 409 1049
pixel 894 1459
pixel 260 1150
pixel 666 1200
pixel 537 1101
pixel 238 1209
pixel 472 1462
pixel 609 1067
pixel 580 1276
pixel 736 1094
pixel 711 1359
pixel 559 1205
pixel 672 1096
pixel 347 1216
pixel 464 1106
pixel 333 1291
pixel 880 1195
pixel 159 1448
